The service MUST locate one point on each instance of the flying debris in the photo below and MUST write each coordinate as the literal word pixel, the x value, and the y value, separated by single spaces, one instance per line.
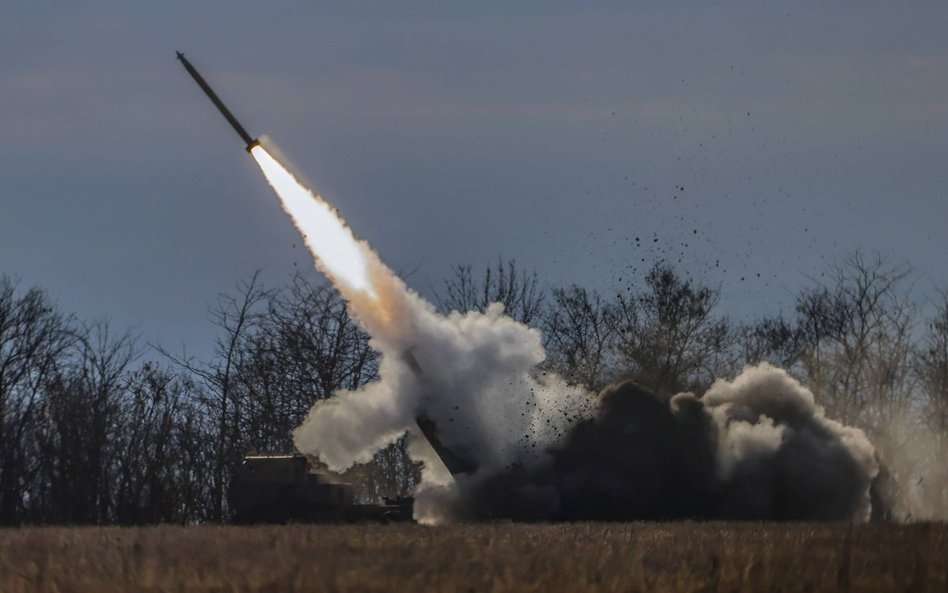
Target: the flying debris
pixel 250 142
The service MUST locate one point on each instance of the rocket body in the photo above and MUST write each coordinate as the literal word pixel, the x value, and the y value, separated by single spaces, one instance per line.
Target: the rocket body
pixel 248 140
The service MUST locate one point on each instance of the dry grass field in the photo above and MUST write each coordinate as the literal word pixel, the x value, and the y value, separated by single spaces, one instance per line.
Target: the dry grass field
pixel 490 557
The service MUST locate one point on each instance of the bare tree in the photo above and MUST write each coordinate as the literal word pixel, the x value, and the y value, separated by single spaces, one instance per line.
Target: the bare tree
pixel 306 348
pixel 857 337
pixel 34 339
pixel 238 318
pixel 165 466
pixel 772 339
pixel 81 427
pixel 669 339
pixel 505 283
pixel 932 363
pixel 579 331
pixel 932 368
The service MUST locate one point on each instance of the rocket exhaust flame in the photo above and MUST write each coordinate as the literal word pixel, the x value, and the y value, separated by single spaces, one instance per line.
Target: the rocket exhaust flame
pixel 332 243
pixel 337 252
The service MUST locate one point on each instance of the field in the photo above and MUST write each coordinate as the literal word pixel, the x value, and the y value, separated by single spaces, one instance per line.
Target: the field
pixel 491 557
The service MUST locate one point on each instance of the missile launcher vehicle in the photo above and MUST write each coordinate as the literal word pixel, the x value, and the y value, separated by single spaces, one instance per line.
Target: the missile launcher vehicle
pixel 287 489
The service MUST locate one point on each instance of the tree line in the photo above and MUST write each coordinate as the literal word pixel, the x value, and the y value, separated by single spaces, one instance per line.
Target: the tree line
pixel 96 427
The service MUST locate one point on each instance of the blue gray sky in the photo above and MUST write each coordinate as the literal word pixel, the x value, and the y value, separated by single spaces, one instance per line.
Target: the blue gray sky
pixel 741 139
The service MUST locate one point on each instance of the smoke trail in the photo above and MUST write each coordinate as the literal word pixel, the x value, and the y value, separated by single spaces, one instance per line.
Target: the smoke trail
pixel 756 447
pixel 477 381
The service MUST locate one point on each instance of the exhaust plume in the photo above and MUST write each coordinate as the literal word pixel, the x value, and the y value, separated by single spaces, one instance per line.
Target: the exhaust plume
pixel 477 380
pixel 755 447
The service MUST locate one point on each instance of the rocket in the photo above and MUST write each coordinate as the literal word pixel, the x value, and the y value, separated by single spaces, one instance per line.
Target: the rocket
pixel 456 459
pixel 248 140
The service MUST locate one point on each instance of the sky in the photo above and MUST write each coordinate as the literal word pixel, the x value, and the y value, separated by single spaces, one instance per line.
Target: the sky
pixel 750 144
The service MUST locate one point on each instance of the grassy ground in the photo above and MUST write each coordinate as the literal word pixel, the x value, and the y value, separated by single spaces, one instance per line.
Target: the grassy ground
pixel 496 557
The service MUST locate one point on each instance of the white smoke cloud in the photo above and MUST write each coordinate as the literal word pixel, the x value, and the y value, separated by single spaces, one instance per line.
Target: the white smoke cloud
pixel 476 380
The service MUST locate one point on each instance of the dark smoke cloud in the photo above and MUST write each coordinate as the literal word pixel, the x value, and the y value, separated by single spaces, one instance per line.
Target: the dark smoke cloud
pixel 757 447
